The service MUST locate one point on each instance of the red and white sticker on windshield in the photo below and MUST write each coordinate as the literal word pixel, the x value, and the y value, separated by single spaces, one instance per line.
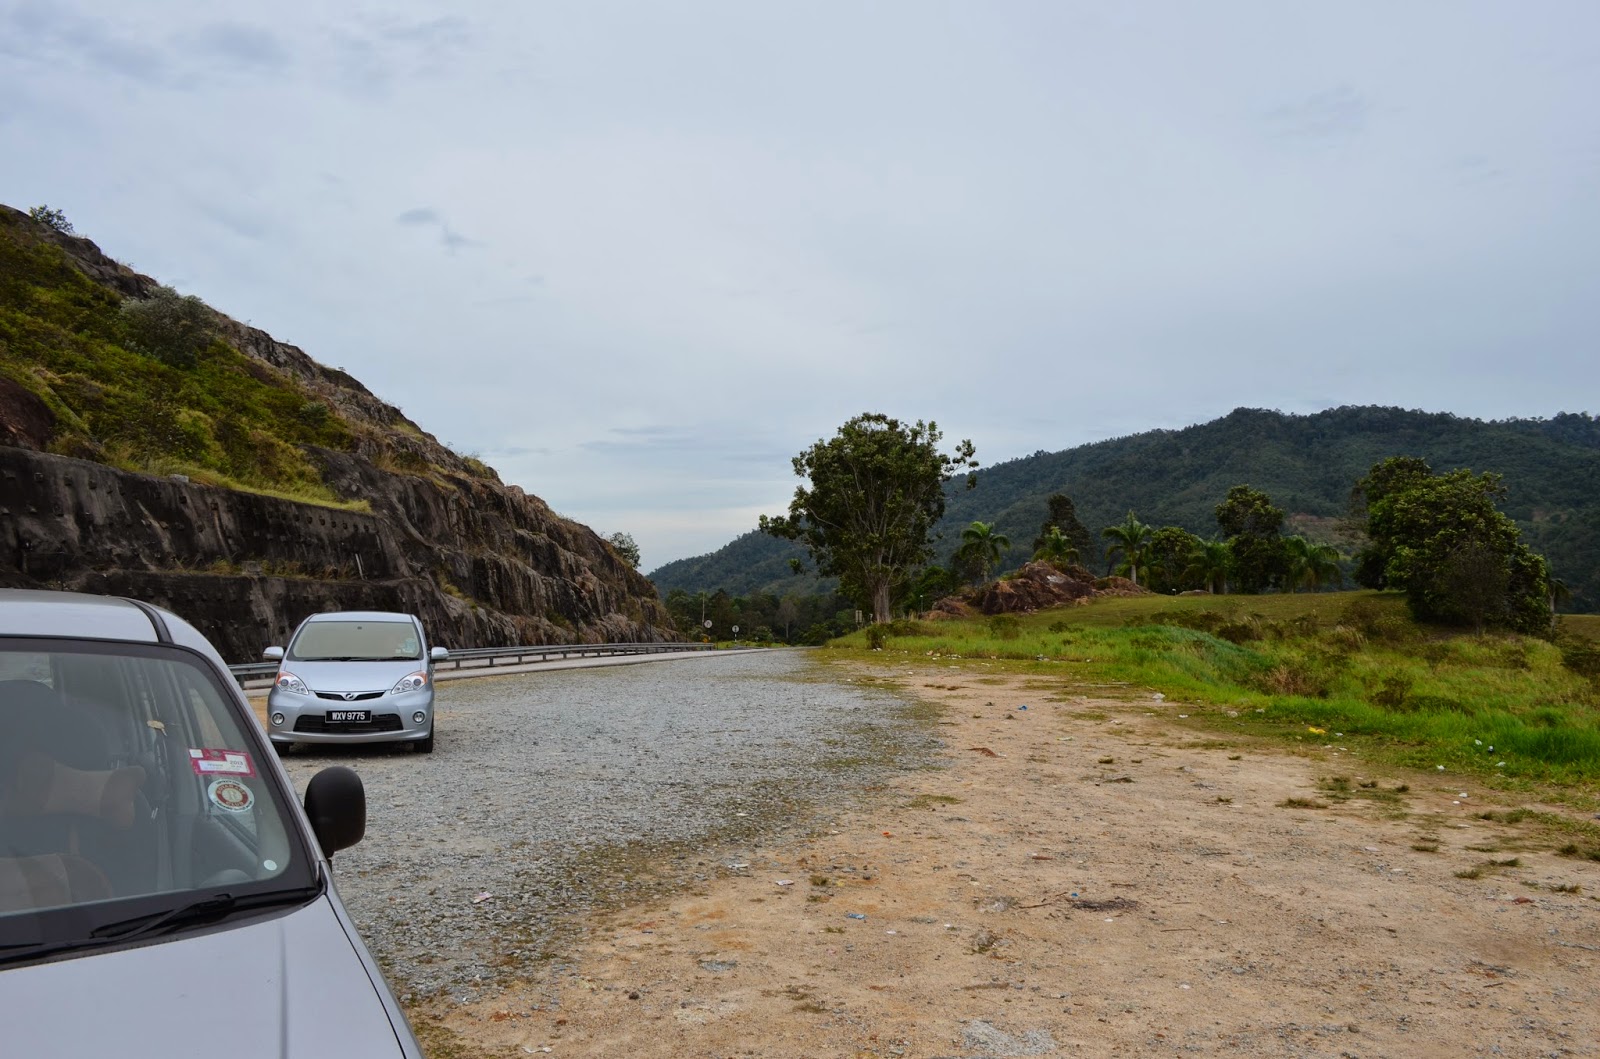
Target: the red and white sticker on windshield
pixel 230 795
pixel 207 762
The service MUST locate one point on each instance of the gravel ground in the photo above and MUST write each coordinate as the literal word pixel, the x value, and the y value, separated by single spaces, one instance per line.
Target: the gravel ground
pixel 550 795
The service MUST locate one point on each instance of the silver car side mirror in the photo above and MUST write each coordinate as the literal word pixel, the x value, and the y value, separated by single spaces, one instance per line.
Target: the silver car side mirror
pixel 439 654
pixel 273 654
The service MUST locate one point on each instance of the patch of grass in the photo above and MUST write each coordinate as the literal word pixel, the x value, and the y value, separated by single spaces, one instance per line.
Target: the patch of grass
pixel 1352 664
pixel 1425 847
pixel 1509 816
pixel 1340 789
pixel 1572 849
pixel 1478 871
pixel 440 1041
pixel 1302 803
pixel 928 801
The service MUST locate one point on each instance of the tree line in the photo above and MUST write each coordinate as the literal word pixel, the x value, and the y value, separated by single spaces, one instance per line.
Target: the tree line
pixel 876 489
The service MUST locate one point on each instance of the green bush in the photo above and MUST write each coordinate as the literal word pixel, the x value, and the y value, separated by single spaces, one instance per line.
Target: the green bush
pixel 1240 631
pixel 51 218
pixel 1005 627
pixel 1392 691
pixel 170 327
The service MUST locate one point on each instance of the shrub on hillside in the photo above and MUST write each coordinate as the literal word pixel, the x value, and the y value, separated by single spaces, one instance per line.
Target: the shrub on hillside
pixel 173 328
pixel 1392 691
pixel 51 218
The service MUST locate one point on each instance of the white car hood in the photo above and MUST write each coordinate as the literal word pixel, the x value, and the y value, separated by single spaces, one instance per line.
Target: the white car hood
pixel 291 985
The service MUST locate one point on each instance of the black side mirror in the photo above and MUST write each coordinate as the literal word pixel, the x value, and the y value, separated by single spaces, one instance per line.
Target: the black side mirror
pixel 336 803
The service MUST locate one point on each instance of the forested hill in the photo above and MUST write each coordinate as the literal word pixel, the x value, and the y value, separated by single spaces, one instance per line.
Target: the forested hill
pixel 1306 463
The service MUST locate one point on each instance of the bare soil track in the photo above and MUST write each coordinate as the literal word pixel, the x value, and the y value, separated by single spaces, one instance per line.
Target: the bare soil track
pixel 1095 878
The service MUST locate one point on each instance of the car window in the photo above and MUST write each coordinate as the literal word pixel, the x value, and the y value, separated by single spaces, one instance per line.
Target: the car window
pixel 126 773
pixel 356 641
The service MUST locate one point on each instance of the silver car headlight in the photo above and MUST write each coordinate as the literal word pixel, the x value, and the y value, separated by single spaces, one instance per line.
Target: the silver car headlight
pixel 287 681
pixel 412 682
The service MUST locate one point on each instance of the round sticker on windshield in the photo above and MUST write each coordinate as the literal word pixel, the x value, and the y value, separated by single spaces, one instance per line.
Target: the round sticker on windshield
pixel 230 795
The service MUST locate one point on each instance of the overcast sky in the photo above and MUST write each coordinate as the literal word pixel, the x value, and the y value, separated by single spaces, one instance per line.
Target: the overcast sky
pixel 637 255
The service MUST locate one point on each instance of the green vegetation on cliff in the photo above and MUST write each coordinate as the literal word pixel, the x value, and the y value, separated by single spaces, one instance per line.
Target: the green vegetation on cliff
pixel 116 369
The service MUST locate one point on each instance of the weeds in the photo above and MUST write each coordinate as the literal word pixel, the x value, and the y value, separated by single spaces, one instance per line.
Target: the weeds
pixel 1512 709
pixel 1478 871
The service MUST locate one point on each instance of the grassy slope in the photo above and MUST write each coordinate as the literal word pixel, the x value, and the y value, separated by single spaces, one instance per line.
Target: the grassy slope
pixel 1346 667
pixel 230 420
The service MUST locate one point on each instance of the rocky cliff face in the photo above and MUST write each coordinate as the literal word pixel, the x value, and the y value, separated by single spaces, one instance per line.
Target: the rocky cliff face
pixel 481 562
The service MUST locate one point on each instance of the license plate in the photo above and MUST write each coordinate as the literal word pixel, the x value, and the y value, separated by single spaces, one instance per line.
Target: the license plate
pixel 349 716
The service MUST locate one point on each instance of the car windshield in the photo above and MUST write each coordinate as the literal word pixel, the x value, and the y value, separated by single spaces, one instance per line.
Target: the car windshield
pixel 350 641
pixel 128 787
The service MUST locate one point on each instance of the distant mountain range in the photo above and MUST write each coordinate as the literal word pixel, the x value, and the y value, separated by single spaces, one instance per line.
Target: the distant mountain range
pixel 1306 463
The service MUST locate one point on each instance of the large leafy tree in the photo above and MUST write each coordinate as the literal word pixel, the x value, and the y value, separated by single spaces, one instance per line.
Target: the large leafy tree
pixel 874 491
pixel 1254 530
pixel 982 546
pixel 1062 515
pixel 1386 479
pixel 1443 540
pixel 1130 539
pixel 1168 553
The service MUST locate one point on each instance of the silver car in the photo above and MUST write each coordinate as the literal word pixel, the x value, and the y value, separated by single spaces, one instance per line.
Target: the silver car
pixel 354 677
pixel 161 892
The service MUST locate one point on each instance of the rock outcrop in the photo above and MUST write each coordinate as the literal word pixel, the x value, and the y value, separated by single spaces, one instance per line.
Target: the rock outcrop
pixel 427 530
pixel 1037 586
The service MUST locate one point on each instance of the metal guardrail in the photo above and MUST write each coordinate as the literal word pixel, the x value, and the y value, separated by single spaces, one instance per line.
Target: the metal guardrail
pixel 489 657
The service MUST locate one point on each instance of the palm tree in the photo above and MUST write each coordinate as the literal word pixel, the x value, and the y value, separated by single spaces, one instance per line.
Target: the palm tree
pixel 1208 563
pixel 1129 538
pixel 1056 547
pixel 981 544
pixel 1310 565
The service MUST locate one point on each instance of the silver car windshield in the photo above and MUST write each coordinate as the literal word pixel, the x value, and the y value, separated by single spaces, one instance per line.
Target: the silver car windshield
pixel 127 783
pixel 356 641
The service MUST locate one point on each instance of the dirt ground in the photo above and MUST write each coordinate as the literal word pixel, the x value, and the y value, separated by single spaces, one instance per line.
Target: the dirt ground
pixel 1098 878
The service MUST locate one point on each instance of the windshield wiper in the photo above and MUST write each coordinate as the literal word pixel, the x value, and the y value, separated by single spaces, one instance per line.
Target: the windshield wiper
pixel 137 926
pixel 212 907
pixel 360 658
